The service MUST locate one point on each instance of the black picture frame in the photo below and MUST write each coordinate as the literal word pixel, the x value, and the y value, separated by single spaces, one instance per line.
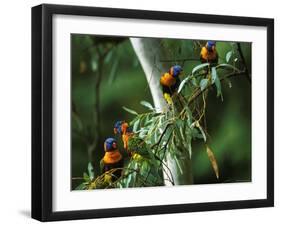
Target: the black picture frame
pixel 42 107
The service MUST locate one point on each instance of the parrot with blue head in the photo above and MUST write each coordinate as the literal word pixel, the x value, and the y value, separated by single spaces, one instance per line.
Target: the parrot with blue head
pixel 112 159
pixel 122 128
pixel 209 53
pixel 134 146
pixel 139 153
pixel 170 82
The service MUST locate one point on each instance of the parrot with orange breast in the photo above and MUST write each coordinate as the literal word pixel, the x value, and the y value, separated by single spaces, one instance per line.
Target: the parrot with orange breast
pixel 134 146
pixel 112 159
pixel 122 128
pixel 170 82
pixel 209 53
pixel 140 155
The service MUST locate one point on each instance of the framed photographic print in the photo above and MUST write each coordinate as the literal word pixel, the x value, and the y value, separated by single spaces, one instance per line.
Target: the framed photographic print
pixel 147 112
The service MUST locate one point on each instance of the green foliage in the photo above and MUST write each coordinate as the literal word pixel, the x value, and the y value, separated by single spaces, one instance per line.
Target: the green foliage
pixel 204 83
pixel 147 104
pixel 177 131
pixel 130 111
pixel 228 56
pixel 91 171
pixel 182 84
pixel 199 67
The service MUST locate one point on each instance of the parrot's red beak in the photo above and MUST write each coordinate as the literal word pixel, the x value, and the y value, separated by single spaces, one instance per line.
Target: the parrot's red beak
pixel 114 145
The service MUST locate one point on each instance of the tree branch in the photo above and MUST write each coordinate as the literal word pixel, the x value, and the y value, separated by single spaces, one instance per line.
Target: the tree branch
pixel 198 91
pixel 163 133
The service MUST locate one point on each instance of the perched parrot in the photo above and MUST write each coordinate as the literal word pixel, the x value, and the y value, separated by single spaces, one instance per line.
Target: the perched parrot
pixel 209 53
pixel 112 159
pixel 132 145
pixel 170 81
pixel 122 128
pixel 140 154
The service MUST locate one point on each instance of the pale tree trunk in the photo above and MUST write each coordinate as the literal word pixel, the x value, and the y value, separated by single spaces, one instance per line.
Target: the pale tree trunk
pixel 149 52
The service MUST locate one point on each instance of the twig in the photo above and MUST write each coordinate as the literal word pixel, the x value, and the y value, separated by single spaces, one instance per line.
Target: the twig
pixel 162 135
pixel 163 163
pixel 198 91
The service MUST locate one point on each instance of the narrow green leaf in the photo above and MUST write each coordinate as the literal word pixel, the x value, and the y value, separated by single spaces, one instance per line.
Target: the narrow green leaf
pixel 204 83
pixel 183 83
pixel 218 85
pixel 227 66
pixel 214 75
pixel 179 165
pixel 80 187
pixel 216 80
pixel 189 150
pixel 136 125
pixel 86 177
pixel 228 56
pixel 199 67
pixel 201 130
pixel 147 104
pixel 91 171
pixel 130 110
pixel 194 82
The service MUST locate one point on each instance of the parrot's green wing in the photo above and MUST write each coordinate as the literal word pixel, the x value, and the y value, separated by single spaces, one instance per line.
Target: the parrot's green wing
pixel 137 145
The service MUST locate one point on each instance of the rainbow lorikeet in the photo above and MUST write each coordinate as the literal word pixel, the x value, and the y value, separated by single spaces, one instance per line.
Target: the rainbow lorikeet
pixel 132 144
pixel 209 53
pixel 122 128
pixel 112 159
pixel 170 82
pixel 141 157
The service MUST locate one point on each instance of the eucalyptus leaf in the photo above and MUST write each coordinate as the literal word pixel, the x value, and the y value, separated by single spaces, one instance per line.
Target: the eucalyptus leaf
pixel 204 83
pixel 86 177
pixel 189 150
pixel 80 187
pixel 194 82
pixel 183 83
pixel 147 104
pixel 130 110
pixel 214 75
pixel 179 165
pixel 228 56
pixel 201 130
pixel 199 67
pixel 136 125
pixel 227 66
pixel 218 86
pixel 91 171
pixel 213 161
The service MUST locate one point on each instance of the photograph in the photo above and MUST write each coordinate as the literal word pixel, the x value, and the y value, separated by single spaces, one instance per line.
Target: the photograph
pixel 149 112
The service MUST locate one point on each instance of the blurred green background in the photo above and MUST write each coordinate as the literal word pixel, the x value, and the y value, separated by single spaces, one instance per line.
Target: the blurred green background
pixel 110 65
